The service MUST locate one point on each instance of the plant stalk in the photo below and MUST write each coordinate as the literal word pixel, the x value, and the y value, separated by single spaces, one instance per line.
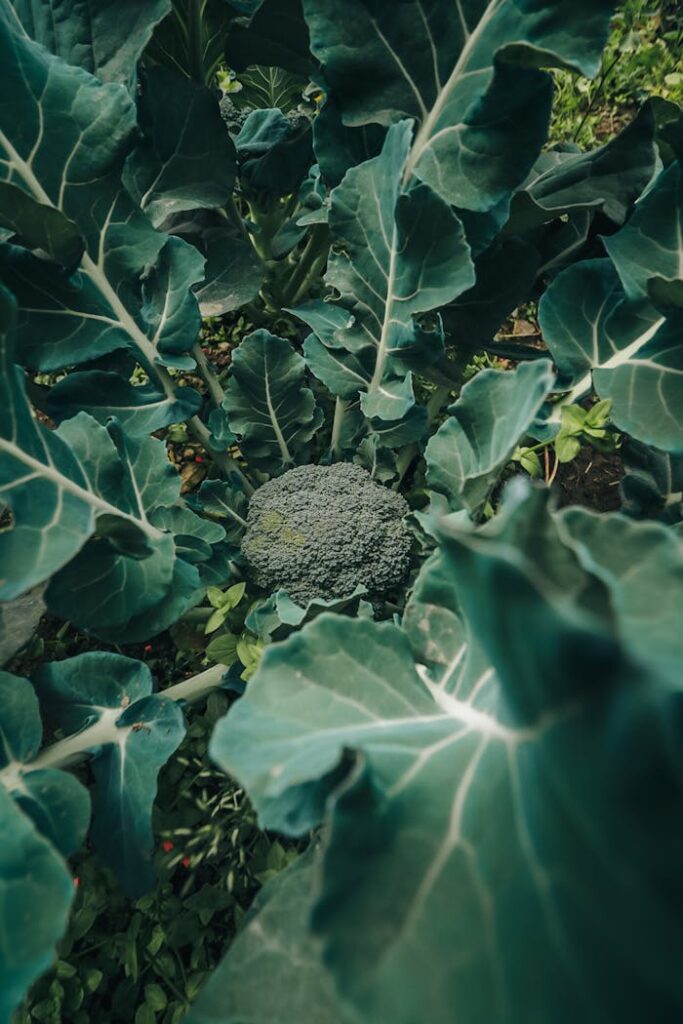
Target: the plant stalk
pixel 74 749
pixel 212 382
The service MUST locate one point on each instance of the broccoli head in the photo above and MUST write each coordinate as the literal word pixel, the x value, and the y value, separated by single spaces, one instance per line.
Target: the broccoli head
pixel 321 531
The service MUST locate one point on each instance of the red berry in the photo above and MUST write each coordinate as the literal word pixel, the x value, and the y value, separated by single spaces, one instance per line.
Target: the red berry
pixel 77 882
pixel 167 846
pixel 186 862
pixel 198 458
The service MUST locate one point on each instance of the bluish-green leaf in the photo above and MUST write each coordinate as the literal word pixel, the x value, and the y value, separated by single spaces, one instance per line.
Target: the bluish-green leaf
pixel 116 691
pixel 393 256
pixel 185 159
pixel 493 413
pixel 254 981
pixel 103 38
pixel 36 893
pixel 268 404
pixel 465 71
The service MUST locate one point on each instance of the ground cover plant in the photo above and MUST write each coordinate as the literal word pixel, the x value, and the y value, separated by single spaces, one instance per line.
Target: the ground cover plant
pixel 275 453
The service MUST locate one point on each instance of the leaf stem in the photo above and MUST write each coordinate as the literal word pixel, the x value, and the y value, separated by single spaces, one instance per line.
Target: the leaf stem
pixel 74 749
pixel 227 465
pixel 340 408
pixel 212 382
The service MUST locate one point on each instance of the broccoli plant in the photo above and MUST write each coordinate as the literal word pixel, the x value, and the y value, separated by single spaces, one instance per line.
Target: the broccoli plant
pixel 478 731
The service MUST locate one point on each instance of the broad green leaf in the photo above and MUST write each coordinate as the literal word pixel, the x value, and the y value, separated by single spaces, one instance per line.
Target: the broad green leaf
pixel 647 389
pixel 337 148
pixel 627 351
pixel 139 409
pixel 185 159
pixel 652 485
pixel 137 734
pixel 233 273
pixel 104 39
pixel 254 981
pixel 651 243
pixel 41 482
pixel 393 256
pixel 608 179
pixel 472 447
pixel 274 152
pixel 268 405
pixel 465 71
pixel 465 827
pixel 642 565
pixel 38 226
pixel 506 272
pixel 110 588
pixel 75 167
pixel 36 893
pixel 275 35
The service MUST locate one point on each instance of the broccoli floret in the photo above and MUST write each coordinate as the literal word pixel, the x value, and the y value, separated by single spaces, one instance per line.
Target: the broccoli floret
pixel 321 531
pixel 234 117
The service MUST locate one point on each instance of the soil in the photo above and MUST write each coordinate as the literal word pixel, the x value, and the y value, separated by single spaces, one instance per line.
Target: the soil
pixel 591 480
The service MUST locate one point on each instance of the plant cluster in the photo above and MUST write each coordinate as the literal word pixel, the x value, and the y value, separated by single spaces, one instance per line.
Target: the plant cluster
pixel 461 701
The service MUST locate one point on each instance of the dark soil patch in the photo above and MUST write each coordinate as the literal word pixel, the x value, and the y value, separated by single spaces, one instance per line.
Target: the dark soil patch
pixel 591 480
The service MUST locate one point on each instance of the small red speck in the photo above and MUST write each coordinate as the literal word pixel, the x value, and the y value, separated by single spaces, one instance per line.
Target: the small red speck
pixel 167 846
pixel 185 862
pixel 77 882
pixel 147 648
pixel 198 458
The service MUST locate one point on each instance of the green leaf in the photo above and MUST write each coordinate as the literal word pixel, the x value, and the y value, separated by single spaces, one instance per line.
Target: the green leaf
pixel 267 404
pixel 274 152
pixel 642 565
pixel 42 483
pixel 233 273
pixel 652 485
pixel 457 69
pixel 223 649
pixel 226 502
pixel 608 179
pixel 185 159
pixel 110 690
pixel 470 450
pixel 38 226
pixel 103 38
pixel 631 354
pixel 567 447
pixel 75 167
pixel 393 256
pixel 37 893
pixel 56 802
pixel 254 981
pixel 275 35
pixel 113 588
pixel 651 243
pixel 139 409
pixel 215 621
pixel 476 807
